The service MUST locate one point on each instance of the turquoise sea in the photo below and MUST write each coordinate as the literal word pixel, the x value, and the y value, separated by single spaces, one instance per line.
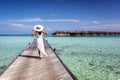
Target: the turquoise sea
pixel 11 47
pixel 89 58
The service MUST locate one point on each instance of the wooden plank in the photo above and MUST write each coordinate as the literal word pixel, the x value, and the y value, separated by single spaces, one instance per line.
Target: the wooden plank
pixel 28 66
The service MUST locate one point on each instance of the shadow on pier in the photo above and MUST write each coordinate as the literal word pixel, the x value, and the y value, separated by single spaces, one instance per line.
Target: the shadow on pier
pixel 28 66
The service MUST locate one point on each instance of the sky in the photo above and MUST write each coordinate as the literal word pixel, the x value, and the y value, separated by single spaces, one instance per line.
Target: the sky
pixel 20 16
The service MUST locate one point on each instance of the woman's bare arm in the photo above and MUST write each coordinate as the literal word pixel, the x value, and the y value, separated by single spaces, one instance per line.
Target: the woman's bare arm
pixel 33 33
pixel 45 32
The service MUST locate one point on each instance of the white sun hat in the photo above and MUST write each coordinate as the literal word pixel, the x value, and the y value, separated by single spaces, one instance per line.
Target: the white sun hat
pixel 38 28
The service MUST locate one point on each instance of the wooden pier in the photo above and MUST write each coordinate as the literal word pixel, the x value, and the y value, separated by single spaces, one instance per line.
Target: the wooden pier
pixel 28 66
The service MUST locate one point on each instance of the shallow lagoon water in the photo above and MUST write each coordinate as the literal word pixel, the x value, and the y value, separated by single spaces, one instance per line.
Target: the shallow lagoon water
pixel 89 58
pixel 11 47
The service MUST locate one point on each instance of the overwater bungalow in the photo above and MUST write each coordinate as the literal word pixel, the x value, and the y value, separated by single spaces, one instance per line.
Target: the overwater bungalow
pixel 85 33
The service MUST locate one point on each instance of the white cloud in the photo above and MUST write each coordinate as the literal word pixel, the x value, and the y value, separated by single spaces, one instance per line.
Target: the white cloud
pixel 86 25
pixel 112 25
pixel 27 20
pixel 61 20
pixel 104 27
pixel 115 27
pixel 44 20
pixel 95 22
pixel 19 25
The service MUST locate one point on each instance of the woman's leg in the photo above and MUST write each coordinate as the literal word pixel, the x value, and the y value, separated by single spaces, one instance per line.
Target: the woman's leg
pixel 40 54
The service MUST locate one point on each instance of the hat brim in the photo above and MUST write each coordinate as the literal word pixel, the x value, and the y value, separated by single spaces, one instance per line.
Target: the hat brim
pixel 38 26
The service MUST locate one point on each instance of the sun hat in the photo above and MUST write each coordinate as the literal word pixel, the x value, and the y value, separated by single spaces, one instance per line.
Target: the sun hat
pixel 38 28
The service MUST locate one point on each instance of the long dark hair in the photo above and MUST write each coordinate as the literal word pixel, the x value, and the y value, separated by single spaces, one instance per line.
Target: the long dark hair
pixel 40 32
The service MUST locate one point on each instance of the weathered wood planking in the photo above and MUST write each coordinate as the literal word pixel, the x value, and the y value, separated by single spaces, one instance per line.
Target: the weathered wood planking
pixel 28 66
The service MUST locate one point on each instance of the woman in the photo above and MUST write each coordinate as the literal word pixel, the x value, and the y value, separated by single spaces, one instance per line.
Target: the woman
pixel 39 30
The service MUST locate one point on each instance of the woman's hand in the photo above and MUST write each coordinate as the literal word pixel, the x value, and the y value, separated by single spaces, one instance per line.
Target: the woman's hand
pixel 45 32
pixel 33 33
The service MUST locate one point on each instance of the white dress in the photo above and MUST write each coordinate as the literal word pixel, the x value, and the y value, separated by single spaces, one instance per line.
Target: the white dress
pixel 40 44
